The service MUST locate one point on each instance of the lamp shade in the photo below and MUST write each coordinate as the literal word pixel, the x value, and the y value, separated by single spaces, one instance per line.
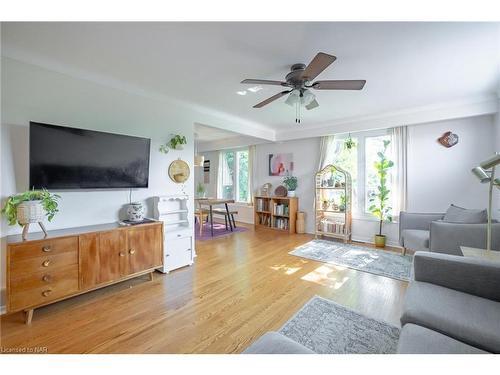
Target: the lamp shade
pixel 491 162
pixel 481 174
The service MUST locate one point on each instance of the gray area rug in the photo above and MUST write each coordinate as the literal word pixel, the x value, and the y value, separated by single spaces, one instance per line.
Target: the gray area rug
pixel 326 327
pixel 361 258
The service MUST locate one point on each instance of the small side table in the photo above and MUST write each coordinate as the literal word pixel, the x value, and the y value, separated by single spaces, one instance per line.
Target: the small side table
pixel 473 252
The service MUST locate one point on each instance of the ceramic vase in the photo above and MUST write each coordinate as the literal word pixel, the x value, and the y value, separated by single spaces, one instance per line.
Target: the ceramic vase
pixel 135 211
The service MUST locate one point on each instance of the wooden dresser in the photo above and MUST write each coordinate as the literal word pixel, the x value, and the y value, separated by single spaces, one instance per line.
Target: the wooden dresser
pixel 73 261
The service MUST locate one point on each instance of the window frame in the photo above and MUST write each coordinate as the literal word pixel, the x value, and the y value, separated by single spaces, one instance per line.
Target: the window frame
pixel 235 180
pixel 360 213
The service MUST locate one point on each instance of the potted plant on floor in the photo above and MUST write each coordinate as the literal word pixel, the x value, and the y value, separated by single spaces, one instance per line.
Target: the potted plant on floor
pixel 30 207
pixel 291 184
pixel 380 200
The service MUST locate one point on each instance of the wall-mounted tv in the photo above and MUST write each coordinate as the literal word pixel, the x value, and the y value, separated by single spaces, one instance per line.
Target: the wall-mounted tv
pixel 68 158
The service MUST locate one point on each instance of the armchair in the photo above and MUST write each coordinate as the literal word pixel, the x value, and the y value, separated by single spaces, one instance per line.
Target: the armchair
pixel 427 232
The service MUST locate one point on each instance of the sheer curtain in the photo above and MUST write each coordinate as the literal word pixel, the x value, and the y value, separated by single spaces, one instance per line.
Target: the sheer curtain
pixel 328 151
pixel 218 176
pixel 251 173
pixel 399 140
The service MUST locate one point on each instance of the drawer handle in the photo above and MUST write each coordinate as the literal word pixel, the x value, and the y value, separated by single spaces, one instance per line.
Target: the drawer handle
pixel 45 293
pixel 46 249
pixel 46 278
pixel 131 251
pixel 167 255
pixel 46 263
pixel 122 254
pixel 179 235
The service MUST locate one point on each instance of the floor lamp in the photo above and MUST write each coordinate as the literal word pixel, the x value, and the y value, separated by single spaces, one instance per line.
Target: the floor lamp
pixel 485 172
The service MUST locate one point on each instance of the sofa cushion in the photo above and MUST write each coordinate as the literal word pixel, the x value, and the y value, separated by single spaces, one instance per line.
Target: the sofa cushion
pixel 276 343
pixel 416 239
pixel 420 340
pixel 456 214
pixel 464 317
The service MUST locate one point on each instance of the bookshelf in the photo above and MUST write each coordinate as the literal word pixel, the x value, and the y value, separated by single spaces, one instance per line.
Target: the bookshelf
pixel 279 213
pixel 333 203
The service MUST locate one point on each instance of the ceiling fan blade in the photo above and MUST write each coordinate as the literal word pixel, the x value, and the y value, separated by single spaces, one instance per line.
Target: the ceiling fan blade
pixel 320 62
pixel 339 85
pixel 271 99
pixel 312 105
pixel 264 82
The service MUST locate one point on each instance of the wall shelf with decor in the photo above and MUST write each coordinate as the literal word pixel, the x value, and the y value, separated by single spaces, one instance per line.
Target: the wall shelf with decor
pixel 333 203
pixel 279 213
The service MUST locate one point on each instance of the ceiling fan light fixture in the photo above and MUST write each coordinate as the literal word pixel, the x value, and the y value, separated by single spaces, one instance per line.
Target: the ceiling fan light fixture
pixel 293 98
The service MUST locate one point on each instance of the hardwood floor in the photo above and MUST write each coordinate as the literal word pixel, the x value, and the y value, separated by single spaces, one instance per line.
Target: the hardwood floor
pixel 240 287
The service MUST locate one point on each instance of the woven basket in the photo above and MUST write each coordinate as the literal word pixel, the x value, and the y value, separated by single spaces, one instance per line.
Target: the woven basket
pixel 30 212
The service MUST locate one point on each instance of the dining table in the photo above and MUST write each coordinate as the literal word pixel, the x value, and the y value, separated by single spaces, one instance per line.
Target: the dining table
pixel 210 202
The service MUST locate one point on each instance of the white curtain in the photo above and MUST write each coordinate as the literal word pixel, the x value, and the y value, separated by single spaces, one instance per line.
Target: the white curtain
pixel 399 140
pixel 251 173
pixel 328 151
pixel 218 179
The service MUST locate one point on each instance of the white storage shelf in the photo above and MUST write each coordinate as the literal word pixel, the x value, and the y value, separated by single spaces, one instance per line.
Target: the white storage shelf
pixel 178 246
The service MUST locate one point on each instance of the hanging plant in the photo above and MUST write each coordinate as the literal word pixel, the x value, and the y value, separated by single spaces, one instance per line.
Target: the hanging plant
pixel 175 143
pixel 349 144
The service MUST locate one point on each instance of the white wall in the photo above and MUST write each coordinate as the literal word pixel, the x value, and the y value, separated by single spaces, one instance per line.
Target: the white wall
pixel 439 176
pixel 31 93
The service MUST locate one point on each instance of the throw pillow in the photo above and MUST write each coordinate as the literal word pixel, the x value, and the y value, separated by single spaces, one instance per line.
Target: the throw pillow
pixel 456 214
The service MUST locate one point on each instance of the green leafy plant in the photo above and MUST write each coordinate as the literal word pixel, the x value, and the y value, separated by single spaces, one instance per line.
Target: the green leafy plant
pixel 343 202
pixel 349 144
pixel 290 182
pixel 49 203
pixel 379 201
pixel 174 142
pixel 200 189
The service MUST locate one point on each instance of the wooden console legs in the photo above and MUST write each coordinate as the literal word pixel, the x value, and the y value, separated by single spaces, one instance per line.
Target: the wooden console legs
pixel 28 316
pixel 151 276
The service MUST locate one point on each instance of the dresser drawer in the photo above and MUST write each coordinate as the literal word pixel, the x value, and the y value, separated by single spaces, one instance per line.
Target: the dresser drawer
pixel 42 294
pixel 43 248
pixel 181 233
pixel 43 279
pixel 20 268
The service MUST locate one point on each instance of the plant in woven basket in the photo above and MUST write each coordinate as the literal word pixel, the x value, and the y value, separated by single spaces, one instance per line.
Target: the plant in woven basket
pixel 48 201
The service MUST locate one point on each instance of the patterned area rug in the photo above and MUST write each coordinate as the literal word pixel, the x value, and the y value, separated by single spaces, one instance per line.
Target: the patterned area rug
pixel 361 258
pixel 328 328
pixel 219 231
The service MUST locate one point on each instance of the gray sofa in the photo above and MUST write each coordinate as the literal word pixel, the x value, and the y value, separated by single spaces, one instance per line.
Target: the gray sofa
pixel 451 306
pixel 428 232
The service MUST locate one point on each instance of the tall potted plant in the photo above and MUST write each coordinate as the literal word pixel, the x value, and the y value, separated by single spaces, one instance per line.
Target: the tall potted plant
pixel 291 184
pixel 30 207
pixel 380 200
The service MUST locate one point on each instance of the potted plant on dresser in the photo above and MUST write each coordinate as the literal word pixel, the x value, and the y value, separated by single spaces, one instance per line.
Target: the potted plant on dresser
pixel 380 200
pixel 291 184
pixel 30 207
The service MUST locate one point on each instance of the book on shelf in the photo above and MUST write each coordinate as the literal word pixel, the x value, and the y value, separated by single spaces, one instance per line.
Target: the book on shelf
pixel 280 209
pixel 262 204
pixel 280 223
pixel 328 226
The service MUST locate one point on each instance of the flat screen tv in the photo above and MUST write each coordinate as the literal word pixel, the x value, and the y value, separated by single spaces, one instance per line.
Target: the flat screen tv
pixel 69 158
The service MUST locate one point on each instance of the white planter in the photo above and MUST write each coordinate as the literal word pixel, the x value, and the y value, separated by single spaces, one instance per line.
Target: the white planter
pixel 135 211
pixel 29 212
pixel 291 193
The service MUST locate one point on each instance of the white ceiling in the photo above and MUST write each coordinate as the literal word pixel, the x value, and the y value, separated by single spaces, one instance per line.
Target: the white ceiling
pixel 406 65
pixel 206 133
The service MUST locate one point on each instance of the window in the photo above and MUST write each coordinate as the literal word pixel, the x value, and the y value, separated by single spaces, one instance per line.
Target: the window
pixel 359 162
pixel 374 145
pixel 234 175
pixel 347 159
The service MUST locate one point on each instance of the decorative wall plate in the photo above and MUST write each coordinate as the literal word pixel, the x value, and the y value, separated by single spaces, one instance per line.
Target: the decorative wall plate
pixel 179 171
pixel 448 139
pixel 281 191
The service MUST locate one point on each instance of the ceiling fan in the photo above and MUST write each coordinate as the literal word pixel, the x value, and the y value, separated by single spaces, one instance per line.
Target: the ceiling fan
pixel 299 80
